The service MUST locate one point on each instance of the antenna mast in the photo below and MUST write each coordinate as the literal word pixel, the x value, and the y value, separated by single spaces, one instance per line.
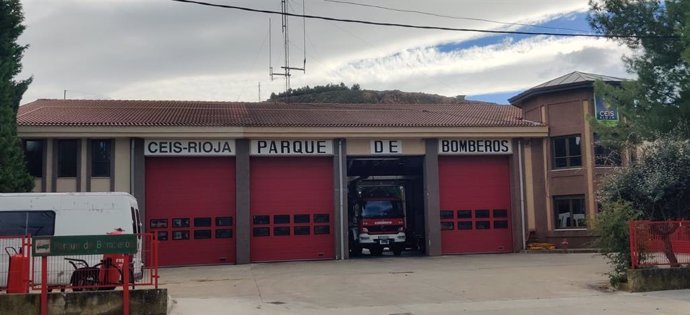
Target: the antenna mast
pixel 286 47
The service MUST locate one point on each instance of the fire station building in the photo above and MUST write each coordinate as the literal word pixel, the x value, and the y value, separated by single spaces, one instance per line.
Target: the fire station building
pixel 221 182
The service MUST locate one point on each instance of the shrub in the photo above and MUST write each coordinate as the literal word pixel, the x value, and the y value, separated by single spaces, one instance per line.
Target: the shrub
pixel 614 237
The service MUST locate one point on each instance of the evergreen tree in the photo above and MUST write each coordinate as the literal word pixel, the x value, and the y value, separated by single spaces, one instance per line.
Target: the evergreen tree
pixel 14 177
pixel 658 32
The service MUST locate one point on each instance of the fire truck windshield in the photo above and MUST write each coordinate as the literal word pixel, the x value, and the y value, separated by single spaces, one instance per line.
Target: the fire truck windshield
pixel 373 209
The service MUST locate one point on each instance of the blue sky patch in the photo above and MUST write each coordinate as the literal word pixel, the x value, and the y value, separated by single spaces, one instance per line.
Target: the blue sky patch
pixel 566 24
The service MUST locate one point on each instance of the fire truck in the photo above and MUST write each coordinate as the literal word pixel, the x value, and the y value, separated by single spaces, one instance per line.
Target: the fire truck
pixel 377 217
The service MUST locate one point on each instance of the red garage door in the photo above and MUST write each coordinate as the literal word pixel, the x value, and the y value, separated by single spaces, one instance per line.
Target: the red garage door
pixel 291 208
pixel 190 205
pixel 475 204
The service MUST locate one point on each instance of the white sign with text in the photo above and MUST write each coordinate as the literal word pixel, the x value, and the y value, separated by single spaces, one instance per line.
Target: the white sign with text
pixel 386 147
pixel 189 147
pixel 475 146
pixel 291 147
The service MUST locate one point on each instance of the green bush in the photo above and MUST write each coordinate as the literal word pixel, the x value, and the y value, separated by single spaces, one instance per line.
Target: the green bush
pixel 614 237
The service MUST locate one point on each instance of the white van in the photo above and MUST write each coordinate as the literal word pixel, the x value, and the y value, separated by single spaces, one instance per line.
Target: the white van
pixel 61 214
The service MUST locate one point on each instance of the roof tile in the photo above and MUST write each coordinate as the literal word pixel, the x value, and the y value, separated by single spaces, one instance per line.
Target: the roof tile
pixel 45 112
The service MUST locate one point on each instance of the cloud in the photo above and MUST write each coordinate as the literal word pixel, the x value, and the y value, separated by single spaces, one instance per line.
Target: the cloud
pixel 129 49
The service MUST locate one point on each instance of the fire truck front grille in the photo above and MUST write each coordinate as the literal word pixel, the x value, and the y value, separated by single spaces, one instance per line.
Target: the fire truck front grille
pixel 380 229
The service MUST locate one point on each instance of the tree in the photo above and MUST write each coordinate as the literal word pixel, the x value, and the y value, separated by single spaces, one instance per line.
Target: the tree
pixel 657 187
pixel 658 32
pixel 14 177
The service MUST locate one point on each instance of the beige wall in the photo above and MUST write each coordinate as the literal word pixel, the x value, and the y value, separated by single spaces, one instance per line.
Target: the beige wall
pixel 122 165
pixel 66 184
pixel 100 184
pixel 529 189
pixel 37 184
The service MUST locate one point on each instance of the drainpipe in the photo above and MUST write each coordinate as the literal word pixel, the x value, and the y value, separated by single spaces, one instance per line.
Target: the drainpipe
pixel 522 194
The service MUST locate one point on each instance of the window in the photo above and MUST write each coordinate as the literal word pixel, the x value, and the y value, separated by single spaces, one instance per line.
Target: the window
pixel 180 235
pixel 464 214
pixel 36 223
pixel 446 214
pixel 262 219
pixel 180 222
pixel 302 230
pixel 322 230
pixel 321 218
pixel 445 226
pixel 605 155
pixel 67 151
pixel 101 150
pixel 202 234
pixel 158 223
pixel 223 233
pixel 202 222
pixel 223 221
pixel 281 219
pixel 301 218
pixel 33 153
pixel 281 231
pixel 262 231
pixel 482 213
pixel 566 151
pixel 569 212
pixel 162 235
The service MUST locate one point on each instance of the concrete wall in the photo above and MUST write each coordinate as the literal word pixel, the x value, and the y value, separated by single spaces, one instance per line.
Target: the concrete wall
pixel 656 279
pixel 149 301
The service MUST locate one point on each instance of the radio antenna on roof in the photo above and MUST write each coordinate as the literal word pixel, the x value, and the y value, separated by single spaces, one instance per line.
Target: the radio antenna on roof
pixel 286 73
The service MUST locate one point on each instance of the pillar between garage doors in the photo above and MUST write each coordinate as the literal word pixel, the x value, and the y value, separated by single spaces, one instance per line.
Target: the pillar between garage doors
pixel 432 203
pixel 242 216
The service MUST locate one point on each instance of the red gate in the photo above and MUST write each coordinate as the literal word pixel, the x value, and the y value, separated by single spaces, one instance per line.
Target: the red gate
pixel 475 204
pixel 190 205
pixel 291 208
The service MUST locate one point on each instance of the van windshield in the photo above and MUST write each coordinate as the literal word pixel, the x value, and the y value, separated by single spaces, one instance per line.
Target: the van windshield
pixel 377 209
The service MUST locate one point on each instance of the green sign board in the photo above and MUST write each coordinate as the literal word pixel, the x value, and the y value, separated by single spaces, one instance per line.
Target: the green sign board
pixel 605 113
pixel 84 245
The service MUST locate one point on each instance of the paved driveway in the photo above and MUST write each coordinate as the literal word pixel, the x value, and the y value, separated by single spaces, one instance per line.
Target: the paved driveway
pixel 468 284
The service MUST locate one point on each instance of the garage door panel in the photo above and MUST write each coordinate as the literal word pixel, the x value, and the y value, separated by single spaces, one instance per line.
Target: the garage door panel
pixel 190 206
pixel 291 208
pixel 475 203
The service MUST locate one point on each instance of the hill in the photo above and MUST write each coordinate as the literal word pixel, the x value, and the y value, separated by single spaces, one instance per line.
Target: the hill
pixel 333 93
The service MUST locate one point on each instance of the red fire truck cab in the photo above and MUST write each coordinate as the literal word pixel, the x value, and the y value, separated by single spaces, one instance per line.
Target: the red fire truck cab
pixel 378 223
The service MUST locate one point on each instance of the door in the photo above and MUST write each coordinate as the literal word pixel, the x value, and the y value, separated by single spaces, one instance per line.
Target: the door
pixel 475 204
pixel 291 202
pixel 190 206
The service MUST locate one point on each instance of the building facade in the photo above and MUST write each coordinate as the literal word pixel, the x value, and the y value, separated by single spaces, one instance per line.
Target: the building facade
pixel 231 183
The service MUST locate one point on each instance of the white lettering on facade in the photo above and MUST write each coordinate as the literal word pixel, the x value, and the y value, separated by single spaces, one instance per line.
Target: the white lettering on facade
pixel 292 147
pixel 189 147
pixel 475 146
pixel 386 146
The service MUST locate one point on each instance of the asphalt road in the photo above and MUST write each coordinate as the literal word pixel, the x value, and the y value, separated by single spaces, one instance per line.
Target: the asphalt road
pixel 464 284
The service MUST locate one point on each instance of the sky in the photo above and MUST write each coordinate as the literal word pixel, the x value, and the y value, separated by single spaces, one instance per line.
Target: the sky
pixel 166 50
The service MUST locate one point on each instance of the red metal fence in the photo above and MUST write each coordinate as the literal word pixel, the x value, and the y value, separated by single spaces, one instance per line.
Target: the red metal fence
pixel 83 272
pixel 659 243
